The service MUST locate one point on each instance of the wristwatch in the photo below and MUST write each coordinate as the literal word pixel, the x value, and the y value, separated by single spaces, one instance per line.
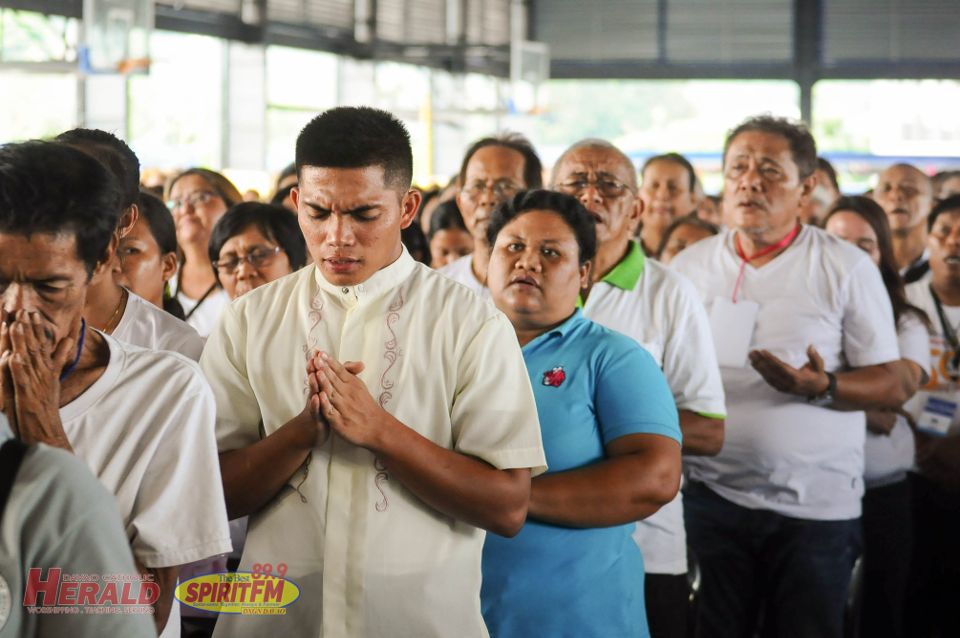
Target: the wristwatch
pixel 828 395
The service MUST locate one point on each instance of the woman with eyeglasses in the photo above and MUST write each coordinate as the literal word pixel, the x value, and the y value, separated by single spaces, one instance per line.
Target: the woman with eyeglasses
pixel 254 244
pixel 610 432
pixel 198 197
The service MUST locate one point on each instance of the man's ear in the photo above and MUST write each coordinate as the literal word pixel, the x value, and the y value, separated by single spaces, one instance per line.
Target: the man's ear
pixel 409 205
pixel 128 219
pixel 807 186
pixel 295 197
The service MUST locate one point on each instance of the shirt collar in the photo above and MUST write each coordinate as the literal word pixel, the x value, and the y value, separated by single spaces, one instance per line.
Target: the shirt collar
pixel 560 330
pixel 627 272
pixel 381 281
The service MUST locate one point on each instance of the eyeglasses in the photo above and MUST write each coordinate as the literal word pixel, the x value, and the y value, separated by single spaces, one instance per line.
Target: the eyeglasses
pixel 199 198
pixel 607 187
pixel 257 258
pixel 502 188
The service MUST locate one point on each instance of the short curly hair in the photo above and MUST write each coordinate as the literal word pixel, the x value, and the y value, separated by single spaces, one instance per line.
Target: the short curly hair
pixel 569 208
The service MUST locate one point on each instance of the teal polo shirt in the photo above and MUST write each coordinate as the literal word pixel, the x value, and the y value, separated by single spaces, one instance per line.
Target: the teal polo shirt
pixel 592 385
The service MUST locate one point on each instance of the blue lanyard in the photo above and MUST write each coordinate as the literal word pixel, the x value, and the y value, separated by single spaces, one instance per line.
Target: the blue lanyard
pixel 73 365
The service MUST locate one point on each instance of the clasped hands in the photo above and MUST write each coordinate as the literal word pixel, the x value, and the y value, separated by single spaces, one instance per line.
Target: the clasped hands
pixel 30 367
pixel 340 401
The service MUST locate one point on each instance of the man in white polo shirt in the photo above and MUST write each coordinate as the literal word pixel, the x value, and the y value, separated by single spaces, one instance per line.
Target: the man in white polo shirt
pixel 493 169
pixel 141 420
pixel 662 312
pixel 373 416
pixel 804 329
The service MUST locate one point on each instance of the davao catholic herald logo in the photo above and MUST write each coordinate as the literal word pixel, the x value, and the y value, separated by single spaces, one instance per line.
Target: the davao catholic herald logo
pixel 254 593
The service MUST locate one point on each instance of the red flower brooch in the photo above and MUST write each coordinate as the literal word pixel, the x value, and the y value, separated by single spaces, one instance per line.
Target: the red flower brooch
pixel 554 378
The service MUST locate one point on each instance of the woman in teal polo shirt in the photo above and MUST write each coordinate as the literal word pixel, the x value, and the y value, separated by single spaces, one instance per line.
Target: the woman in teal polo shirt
pixel 613 453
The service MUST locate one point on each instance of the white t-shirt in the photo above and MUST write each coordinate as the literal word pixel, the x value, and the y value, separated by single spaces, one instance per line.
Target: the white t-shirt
pixel 781 453
pixel 888 457
pixel 461 271
pixel 661 310
pixel 59 515
pixel 941 353
pixel 145 325
pixel 371 558
pixel 146 430
pixel 205 317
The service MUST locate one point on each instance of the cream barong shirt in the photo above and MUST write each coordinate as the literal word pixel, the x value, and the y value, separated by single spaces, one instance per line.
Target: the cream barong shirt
pixel 371 559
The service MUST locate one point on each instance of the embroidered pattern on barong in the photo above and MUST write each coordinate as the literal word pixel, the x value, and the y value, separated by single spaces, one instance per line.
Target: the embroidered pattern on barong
pixel 315 317
pixel 391 354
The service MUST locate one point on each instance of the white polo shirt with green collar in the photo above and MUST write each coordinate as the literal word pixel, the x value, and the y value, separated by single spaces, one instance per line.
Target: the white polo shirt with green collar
pixel 662 311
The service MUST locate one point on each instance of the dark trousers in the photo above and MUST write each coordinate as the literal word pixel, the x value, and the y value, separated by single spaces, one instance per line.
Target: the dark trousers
pixel 887 550
pixel 667 598
pixel 933 594
pixel 798 570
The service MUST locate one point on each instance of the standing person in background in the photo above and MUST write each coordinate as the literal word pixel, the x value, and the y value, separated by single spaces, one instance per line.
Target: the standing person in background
pixel 668 191
pixel 198 197
pixel 286 182
pixel 111 307
pixel 493 169
pixel 613 447
pixel 935 485
pixel 776 514
pixel 659 310
pixel 449 238
pixel 254 244
pixel 148 255
pixel 824 194
pixel 681 234
pixel 889 450
pixel 710 210
pixel 906 195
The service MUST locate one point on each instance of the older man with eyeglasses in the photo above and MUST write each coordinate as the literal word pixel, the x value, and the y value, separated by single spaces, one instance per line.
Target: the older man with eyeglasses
pixel 660 310
pixel 493 169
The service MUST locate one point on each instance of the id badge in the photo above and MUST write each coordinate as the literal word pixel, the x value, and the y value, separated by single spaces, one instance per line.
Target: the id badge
pixel 937 415
pixel 732 325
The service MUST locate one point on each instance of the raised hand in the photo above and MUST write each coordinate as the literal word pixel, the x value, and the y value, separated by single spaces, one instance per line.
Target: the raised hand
pixel 809 381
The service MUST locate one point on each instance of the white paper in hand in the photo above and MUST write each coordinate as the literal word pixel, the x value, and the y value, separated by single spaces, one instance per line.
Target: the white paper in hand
pixel 732 325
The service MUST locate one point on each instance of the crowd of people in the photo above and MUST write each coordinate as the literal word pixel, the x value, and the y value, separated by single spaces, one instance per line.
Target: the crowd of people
pixel 585 401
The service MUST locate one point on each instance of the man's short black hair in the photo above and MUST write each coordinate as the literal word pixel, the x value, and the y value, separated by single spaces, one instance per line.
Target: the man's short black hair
pixel 113 153
pixel 48 187
pixel 159 221
pixel 676 158
pixel 823 164
pixel 357 137
pixel 803 147
pixel 948 205
pixel 274 222
pixel 532 166
pixel 569 208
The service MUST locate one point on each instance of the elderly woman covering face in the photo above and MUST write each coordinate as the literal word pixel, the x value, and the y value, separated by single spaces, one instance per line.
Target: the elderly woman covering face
pixel 613 453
